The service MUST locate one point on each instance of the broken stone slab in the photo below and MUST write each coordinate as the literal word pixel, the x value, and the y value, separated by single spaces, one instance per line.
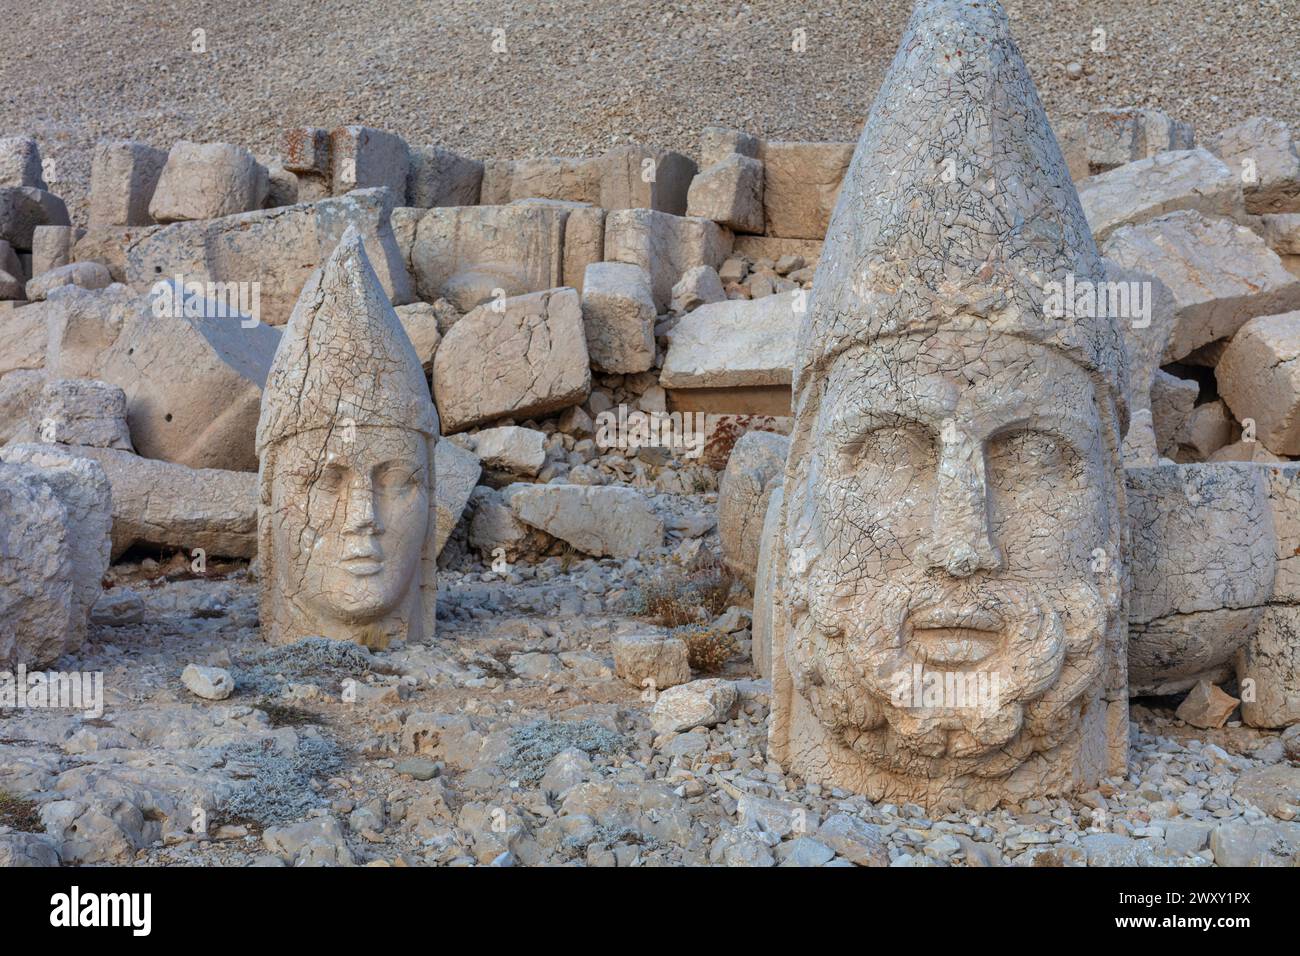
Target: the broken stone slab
pixel 1207 428
pixel 1172 401
pixel 698 286
pixel 560 178
pixel 719 142
pixel 1282 232
pixel 456 472
pixel 366 158
pixel 584 237
pixel 1270 661
pixel 307 150
pixel 1180 180
pixel 207 181
pixel 801 182
pixel 1118 136
pixel 1201 564
pixel 276 248
pixel 618 317
pixel 52 247
pixel 210 683
pixel 193 382
pixel 81 412
pixel 1206 706
pixel 467 253
pixel 440 177
pixel 86 275
pixel 730 192
pixel 666 246
pixel 23 208
pixel 601 520
pixel 756 466
pixel 700 703
pixel 20 390
pixel 525 359
pixel 37 574
pixel 20 162
pixel 207 508
pixel 496 532
pixel 735 356
pixel 21 338
pixel 1259 378
pixel 1262 154
pixel 123 178
pixel 84 490
pixel 82 324
pixel 1221 274
pixel 420 322
pixel 640 177
pixel 511 448
pixel 651 660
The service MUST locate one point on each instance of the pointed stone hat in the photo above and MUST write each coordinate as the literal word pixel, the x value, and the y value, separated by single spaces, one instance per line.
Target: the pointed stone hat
pixel 344 356
pixel 958 210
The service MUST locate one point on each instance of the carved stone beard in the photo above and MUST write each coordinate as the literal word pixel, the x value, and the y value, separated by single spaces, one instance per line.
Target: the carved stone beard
pixel 853 653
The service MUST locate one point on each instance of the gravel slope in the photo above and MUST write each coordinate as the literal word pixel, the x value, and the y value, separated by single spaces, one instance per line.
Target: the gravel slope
pixel 584 74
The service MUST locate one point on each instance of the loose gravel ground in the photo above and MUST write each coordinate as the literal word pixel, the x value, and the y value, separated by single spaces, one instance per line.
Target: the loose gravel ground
pixel 581 75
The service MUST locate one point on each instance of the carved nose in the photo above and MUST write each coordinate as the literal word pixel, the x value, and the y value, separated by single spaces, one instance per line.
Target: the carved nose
pixel 361 510
pixel 961 534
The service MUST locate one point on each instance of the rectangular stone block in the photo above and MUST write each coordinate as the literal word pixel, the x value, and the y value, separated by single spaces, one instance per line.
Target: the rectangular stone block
pixel 666 246
pixel 801 182
pixel 123 177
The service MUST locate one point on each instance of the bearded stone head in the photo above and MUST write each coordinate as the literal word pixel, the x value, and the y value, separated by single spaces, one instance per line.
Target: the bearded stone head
pixel 950 606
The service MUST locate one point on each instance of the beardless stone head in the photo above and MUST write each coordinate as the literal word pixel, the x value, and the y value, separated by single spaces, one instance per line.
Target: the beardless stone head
pixel 346 436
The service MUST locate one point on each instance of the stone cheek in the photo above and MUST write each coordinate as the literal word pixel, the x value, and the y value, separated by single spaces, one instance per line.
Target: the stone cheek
pixel 347 521
pixel 951 628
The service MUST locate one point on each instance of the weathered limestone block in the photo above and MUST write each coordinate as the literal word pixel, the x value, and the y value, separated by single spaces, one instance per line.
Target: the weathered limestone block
pixel 719 142
pixel 1284 502
pixel 83 488
pixel 12 286
pixel 20 162
pixel 207 508
pixel 1206 706
pixel 86 275
pixel 584 243
pixel 755 468
pixel 735 356
pixel 729 192
pixel 1207 428
pixel 81 326
pixel 457 471
pixel 1172 401
pixel 365 158
pixel 1259 378
pixel 440 177
pixel 602 520
pixel 618 317
pixel 82 412
pixel 1184 179
pixel 495 531
pixel 107 245
pixel 20 390
pixel 1201 565
pixel 666 246
pixel 193 382
pixel 656 661
pixel 801 182
pixel 698 286
pixel 282 185
pixel 701 703
pixel 420 322
pixel 52 247
pixel 529 359
pixel 23 208
pixel 911 381
pixel 1119 136
pixel 511 448
pixel 1282 232
pixel 307 150
pixel 207 181
pixel 1221 274
pixel 1271 661
pixel 466 253
pixel 278 248
pixel 766 576
pixel 555 177
pixel 123 178
pixel 639 177
pixel 22 339
pixel 37 576
pixel 346 511
pixel 1263 154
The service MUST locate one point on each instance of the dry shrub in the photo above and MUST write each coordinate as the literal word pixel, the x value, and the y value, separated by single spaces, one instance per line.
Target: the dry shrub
pixel 679 596
pixel 707 648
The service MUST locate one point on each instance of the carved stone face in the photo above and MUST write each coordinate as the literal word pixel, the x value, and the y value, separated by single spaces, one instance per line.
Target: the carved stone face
pixel 954 526
pixel 350 521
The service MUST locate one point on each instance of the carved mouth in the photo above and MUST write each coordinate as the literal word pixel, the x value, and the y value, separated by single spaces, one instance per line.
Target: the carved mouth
pixel 362 567
pixel 953 637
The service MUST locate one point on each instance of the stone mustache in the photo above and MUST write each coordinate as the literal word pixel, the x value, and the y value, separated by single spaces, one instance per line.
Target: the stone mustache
pixel 345 442
pixel 949 622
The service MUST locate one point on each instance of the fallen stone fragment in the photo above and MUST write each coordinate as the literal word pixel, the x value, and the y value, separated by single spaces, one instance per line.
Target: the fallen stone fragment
pixel 1270 660
pixel 118 608
pixel 366 158
pixel 1259 378
pixel 210 683
pixel 665 246
pixel 455 473
pixel 801 182
pixel 87 275
pixel 657 661
pixel 1118 136
pixel 82 412
pixel 1206 706
pixel 52 247
pixel 730 193
pixel 719 142
pixel 123 178
pixel 597 520
pixel 756 466
pixel 207 181
pixel 640 177
pixel 1262 153
pixel 701 703
pixel 439 177
pixel 854 839
pixel 23 208
pixel 1207 428
pixel 698 286
pixel 20 162
pixel 511 448
pixel 1135 193
pixel 618 317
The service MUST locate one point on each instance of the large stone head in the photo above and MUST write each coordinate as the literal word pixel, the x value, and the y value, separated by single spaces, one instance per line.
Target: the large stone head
pixel 951 597
pixel 345 441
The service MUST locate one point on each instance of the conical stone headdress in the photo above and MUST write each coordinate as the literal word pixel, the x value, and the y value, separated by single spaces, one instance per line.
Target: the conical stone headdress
pixel 958 208
pixel 344 356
